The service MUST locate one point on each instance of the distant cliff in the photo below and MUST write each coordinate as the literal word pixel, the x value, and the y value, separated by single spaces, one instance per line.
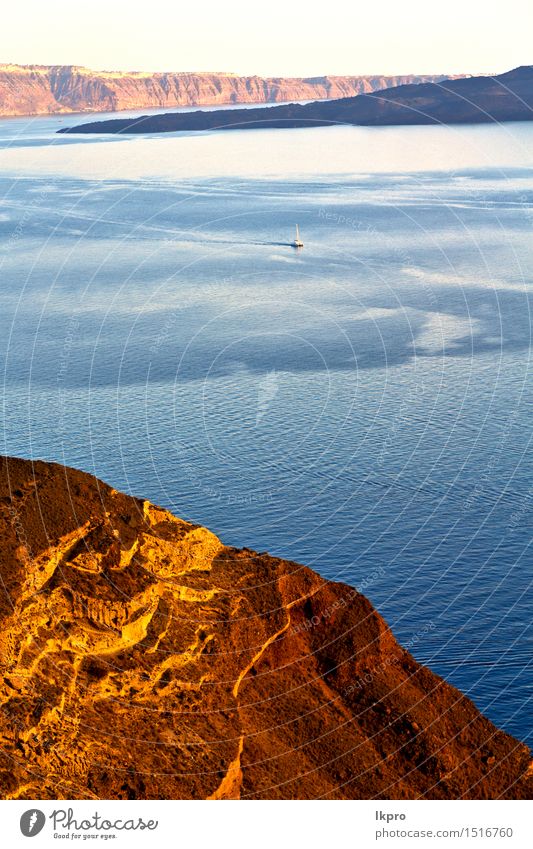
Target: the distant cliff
pixel 142 658
pixel 37 89
pixel 471 100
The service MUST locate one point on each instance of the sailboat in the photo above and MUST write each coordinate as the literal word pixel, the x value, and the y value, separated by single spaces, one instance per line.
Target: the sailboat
pixel 297 242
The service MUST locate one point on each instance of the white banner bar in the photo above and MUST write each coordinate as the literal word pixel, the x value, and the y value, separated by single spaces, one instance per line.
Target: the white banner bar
pixel 267 824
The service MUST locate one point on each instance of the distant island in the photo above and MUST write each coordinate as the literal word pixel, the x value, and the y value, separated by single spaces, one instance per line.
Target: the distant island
pixel 57 89
pixel 469 100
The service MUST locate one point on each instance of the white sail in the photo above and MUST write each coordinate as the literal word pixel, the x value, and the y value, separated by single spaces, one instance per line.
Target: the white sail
pixel 297 242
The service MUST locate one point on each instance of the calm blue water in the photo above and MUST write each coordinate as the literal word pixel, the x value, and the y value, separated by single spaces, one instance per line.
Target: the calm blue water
pixel 363 406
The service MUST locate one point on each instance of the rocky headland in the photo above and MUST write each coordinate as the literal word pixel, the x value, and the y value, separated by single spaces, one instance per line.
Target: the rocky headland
pixel 142 658
pixel 470 100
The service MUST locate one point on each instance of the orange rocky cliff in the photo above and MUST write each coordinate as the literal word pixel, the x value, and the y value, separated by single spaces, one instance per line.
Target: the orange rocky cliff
pixel 144 659
pixel 43 90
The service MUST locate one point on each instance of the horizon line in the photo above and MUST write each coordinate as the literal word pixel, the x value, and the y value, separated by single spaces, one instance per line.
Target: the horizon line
pixel 81 66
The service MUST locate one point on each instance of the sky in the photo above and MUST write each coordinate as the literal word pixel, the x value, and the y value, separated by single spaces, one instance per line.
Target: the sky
pixel 274 38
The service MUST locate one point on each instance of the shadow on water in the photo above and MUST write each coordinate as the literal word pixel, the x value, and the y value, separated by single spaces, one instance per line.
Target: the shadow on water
pixel 257 242
pixel 277 244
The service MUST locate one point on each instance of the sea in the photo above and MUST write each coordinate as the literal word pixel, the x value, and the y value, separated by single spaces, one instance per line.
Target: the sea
pixel 362 405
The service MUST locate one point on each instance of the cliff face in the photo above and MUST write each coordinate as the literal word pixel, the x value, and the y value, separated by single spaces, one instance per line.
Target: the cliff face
pixel 143 659
pixel 507 97
pixel 32 90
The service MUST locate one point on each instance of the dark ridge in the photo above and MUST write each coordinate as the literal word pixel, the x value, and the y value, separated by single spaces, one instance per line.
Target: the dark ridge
pixel 473 100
